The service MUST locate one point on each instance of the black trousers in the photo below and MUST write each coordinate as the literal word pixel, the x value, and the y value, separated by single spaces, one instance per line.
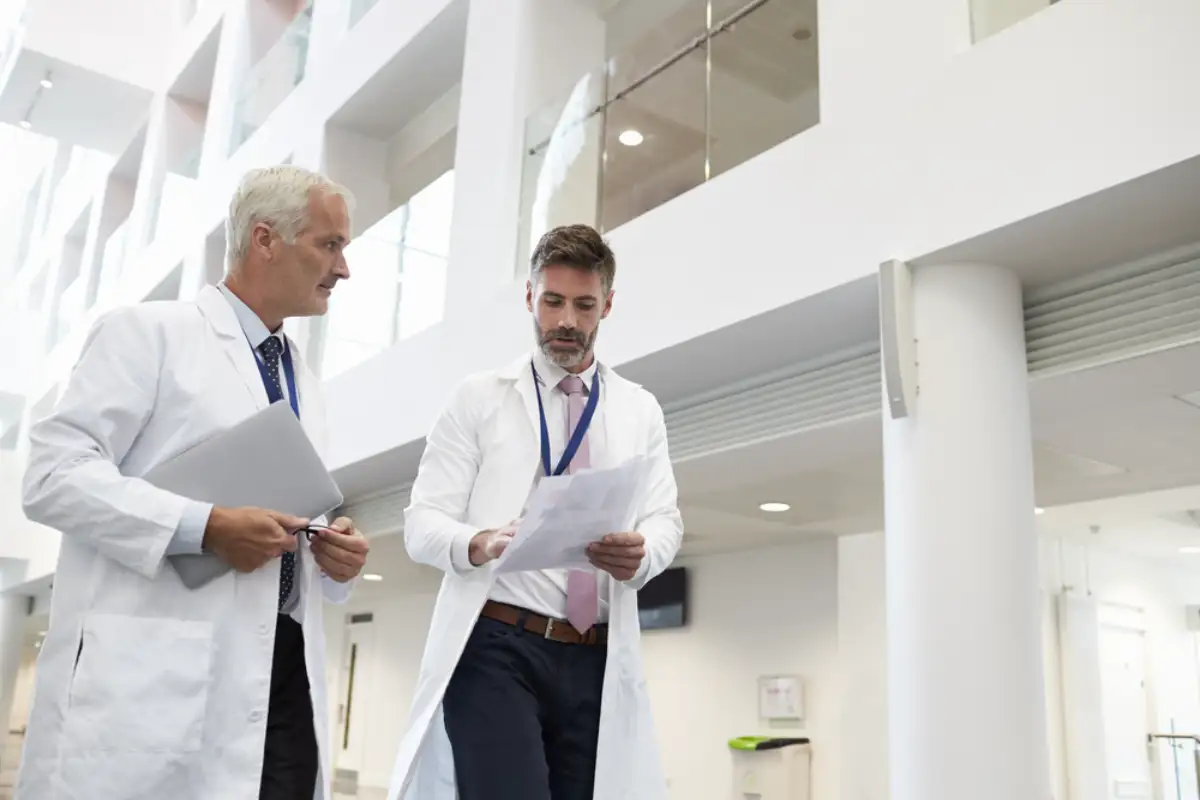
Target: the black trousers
pixel 290 758
pixel 523 715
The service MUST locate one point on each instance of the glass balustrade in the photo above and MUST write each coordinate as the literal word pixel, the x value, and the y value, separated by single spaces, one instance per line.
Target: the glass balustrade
pixel 359 9
pixel 397 285
pixel 272 78
pixel 710 86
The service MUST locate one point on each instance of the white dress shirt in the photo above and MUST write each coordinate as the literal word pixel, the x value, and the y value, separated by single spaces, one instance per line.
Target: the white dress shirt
pixel 189 536
pixel 545 591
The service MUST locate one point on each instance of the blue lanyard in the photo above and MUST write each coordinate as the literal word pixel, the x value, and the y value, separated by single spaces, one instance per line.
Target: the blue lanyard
pixel 577 435
pixel 289 374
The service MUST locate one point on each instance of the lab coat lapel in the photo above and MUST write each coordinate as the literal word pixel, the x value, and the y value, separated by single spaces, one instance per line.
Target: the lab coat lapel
pixel 521 373
pixel 224 321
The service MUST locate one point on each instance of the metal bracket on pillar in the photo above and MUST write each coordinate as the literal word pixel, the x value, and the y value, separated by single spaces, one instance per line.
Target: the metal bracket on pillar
pixel 898 345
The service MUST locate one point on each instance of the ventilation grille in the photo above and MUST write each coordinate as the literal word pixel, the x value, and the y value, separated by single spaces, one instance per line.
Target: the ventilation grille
pixel 1114 316
pixel 379 514
pixel 777 406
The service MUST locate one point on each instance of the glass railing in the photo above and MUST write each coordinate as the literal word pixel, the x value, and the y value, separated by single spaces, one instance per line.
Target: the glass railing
pixel 12 33
pixel 712 86
pixel 398 280
pixel 359 9
pixel 272 78
pixel 989 17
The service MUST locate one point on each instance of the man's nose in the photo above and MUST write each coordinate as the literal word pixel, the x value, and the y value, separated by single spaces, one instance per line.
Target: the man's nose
pixel 342 269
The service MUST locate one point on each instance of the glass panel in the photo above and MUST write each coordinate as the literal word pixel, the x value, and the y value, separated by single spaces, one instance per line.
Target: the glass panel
pixel 763 85
pixel 561 163
pixel 272 79
pixel 989 17
pixel 112 263
pixel 640 42
pixel 655 146
pixel 358 9
pixel 397 283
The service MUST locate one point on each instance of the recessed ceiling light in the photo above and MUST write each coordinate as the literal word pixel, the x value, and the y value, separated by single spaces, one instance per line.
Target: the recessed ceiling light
pixel 25 124
pixel 47 83
pixel 774 508
pixel 1039 511
pixel 371 576
pixel 1189 551
pixel 631 138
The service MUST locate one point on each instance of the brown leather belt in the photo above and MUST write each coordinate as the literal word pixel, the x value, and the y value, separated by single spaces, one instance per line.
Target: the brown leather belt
pixel 556 630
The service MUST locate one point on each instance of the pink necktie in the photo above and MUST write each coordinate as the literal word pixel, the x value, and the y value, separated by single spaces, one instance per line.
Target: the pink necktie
pixel 583 601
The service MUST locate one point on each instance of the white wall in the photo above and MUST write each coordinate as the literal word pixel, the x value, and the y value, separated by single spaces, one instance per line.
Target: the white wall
pixel 1057 104
pixel 756 613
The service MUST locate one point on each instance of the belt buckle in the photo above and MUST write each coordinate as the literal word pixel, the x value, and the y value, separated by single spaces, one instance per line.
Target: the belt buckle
pixel 549 628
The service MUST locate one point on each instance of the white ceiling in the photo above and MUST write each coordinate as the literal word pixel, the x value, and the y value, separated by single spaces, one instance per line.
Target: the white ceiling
pixel 82 108
pixel 1114 447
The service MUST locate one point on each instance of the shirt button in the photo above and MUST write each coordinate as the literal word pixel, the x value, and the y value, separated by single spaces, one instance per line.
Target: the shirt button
pixel 256 716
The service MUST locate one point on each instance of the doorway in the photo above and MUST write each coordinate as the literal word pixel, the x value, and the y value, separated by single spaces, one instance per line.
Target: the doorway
pixel 353 690
pixel 1126 706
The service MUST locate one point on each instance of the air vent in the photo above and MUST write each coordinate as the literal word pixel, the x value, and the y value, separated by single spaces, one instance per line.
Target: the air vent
pixel 381 513
pixel 809 397
pixel 1114 315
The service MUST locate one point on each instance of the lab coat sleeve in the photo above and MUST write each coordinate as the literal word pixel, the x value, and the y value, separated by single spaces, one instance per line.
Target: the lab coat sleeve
pixel 73 482
pixel 434 529
pixel 660 523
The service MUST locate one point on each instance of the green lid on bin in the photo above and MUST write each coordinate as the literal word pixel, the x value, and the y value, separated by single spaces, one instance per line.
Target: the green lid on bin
pixel 765 742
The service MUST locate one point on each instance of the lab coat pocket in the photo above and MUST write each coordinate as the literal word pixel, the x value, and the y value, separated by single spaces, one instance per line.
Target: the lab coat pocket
pixel 140 685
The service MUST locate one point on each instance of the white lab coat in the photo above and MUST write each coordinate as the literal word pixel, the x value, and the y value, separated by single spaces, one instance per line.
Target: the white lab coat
pixel 476 473
pixel 147 690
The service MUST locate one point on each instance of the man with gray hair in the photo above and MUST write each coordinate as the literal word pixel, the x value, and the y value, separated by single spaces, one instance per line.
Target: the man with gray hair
pixel 147 688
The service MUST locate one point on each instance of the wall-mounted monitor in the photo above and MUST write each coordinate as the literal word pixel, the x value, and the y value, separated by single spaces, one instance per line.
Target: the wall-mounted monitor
pixel 663 602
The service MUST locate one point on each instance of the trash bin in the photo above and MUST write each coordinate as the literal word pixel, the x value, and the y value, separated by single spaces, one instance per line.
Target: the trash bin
pixel 770 768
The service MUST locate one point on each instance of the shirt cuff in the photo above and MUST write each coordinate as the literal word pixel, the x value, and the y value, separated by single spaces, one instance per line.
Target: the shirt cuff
pixel 460 550
pixel 189 535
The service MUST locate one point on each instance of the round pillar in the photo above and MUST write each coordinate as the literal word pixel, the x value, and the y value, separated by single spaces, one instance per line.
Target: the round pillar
pixel 967 703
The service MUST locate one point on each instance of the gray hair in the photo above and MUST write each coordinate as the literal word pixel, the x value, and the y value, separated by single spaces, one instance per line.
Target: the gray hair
pixel 277 196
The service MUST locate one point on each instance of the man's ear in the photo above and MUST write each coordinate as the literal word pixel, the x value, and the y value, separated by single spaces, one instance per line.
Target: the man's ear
pixel 260 239
pixel 529 295
pixel 607 306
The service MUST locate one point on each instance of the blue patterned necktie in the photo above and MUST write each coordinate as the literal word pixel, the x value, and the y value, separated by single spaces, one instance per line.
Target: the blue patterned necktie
pixel 271 350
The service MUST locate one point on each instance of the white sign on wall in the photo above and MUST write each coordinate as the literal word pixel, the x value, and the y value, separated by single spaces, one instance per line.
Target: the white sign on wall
pixel 781 698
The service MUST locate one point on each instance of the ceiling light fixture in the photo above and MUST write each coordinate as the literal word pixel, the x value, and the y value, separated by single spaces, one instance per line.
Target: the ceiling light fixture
pixel 631 138
pixel 1039 511
pixel 46 83
pixel 25 124
pixel 774 508
pixel 371 576
pixel 1190 551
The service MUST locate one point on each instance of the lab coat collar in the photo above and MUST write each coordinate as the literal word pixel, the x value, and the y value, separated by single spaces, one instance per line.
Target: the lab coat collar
pixel 223 319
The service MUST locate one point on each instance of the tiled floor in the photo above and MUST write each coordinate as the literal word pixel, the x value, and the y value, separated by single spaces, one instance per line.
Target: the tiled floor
pixel 10 759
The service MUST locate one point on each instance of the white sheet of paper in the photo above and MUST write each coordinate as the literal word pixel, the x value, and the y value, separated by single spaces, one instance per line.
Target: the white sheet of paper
pixel 568 512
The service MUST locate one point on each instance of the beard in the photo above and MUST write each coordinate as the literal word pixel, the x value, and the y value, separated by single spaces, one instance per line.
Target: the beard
pixel 564 356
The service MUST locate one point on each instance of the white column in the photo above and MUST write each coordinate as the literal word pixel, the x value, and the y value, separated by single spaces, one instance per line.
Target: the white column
pixel 965 689
pixel 520 56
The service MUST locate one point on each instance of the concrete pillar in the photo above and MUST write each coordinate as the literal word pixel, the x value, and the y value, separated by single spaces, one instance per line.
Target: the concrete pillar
pixel 965 688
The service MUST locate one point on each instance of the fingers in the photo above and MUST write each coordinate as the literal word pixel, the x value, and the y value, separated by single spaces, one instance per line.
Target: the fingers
pixel 289 522
pixel 342 525
pixel 600 548
pixel 338 555
pixel 335 538
pixel 630 539
pixel 615 562
pixel 341 565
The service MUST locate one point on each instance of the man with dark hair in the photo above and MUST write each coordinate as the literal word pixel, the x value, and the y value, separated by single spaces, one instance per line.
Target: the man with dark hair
pixel 531 686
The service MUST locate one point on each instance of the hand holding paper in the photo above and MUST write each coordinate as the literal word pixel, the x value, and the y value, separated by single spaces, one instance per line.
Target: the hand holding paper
pixel 567 513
